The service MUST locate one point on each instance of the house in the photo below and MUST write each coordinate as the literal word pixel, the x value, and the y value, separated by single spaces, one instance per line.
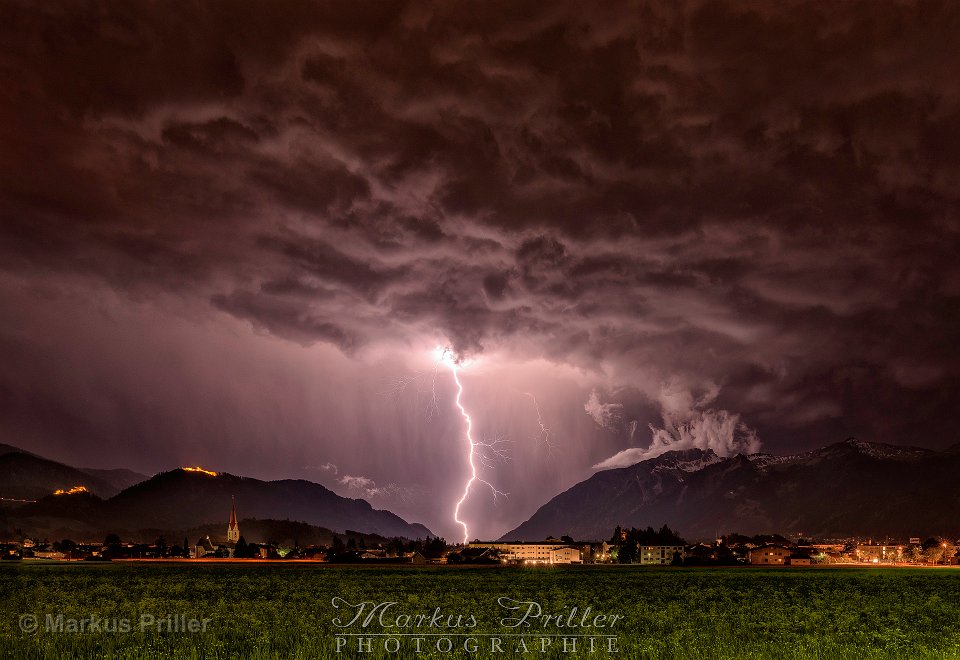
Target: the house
pixel 267 551
pixel 798 559
pixel 769 555
pixel 701 553
pixel 316 553
pixel 50 554
pixel 662 555
pixel 595 553
pixel 204 547
pixel 475 555
pixel 875 554
pixel 826 548
pixel 417 559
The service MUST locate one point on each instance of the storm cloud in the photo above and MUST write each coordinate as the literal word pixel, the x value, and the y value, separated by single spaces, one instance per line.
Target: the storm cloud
pixel 726 220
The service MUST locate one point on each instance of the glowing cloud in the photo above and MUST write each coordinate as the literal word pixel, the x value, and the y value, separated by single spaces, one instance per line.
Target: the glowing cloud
pixel 606 415
pixel 717 430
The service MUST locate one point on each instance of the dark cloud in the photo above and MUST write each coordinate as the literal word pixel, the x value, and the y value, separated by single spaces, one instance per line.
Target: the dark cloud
pixel 727 206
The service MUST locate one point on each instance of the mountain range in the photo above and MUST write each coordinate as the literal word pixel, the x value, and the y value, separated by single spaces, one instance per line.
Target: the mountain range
pixel 850 488
pixel 176 500
pixel 24 475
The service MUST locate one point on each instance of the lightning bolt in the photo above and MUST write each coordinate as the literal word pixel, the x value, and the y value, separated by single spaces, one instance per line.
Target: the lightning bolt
pixel 544 430
pixel 399 385
pixel 484 452
pixel 447 357
pixel 470 453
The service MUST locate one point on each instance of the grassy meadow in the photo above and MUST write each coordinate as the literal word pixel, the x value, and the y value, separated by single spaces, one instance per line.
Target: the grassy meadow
pixel 276 610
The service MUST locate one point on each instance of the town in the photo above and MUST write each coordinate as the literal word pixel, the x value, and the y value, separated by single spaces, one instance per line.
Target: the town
pixel 645 547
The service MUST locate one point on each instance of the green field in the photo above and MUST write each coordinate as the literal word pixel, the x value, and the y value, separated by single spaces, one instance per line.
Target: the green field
pixel 266 610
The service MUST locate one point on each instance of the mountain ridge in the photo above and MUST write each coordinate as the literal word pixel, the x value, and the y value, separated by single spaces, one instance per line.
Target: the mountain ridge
pixel 842 489
pixel 175 499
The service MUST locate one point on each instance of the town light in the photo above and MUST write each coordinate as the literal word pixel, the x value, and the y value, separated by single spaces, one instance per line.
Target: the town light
pixel 199 469
pixel 71 491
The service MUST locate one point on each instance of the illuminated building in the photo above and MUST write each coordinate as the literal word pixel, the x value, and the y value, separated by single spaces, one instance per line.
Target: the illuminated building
pixel 769 555
pixel 233 529
pixel 659 554
pixel 547 552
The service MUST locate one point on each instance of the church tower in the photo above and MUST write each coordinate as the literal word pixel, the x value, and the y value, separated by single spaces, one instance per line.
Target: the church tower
pixel 233 529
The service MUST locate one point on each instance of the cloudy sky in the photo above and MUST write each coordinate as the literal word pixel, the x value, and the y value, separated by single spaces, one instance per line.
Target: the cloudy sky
pixel 232 234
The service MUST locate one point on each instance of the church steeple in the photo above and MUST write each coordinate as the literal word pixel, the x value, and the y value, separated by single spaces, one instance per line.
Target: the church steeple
pixel 233 529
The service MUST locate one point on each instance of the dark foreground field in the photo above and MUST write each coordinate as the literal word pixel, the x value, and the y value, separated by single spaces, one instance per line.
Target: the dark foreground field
pixel 283 611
